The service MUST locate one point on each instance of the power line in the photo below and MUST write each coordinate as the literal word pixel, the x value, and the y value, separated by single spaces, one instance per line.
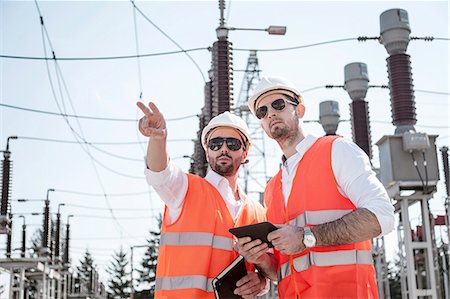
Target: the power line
pixel 96 143
pixel 171 39
pixel 301 46
pixel 90 117
pixel 432 92
pixel 86 150
pixel 102 58
pixel 115 209
pixel 178 52
pixel 140 160
pixel 101 194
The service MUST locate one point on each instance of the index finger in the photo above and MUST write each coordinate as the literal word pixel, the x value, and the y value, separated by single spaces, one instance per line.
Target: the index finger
pixel 143 108
pixel 153 107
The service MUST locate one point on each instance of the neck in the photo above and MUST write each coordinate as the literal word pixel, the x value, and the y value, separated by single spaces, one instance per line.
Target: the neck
pixel 288 145
pixel 232 181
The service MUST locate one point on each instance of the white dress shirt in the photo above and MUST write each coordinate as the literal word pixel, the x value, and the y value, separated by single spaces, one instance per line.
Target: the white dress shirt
pixel 171 184
pixel 354 175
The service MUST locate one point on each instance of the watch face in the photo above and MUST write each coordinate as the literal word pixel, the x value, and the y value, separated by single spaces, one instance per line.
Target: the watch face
pixel 308 239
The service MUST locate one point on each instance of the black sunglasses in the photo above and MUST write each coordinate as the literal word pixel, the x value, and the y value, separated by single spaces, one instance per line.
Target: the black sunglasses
pixel 233 144
pixel 278 104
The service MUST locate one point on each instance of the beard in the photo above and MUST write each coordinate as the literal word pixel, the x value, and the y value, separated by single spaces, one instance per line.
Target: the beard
pixel 227 169
pixel 283 131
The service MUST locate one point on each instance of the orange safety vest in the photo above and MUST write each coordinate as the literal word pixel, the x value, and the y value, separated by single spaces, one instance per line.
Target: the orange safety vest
pixel 343 271
pixel 197 246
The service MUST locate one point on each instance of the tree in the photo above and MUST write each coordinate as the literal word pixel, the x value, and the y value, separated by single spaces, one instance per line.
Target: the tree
pixel 85 270
pixel 147 273
pixel 119 282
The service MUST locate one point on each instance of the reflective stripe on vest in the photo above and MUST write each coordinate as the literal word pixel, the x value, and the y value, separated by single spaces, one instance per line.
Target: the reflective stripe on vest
pixel 331 258
pixel 184 282
pixel 318 217
pixel 196 239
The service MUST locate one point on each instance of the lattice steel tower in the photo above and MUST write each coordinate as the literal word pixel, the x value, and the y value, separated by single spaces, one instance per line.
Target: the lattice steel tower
pixel 255 171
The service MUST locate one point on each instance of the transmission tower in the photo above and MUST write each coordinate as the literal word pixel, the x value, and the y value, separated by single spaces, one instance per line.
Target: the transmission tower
pixel 255 171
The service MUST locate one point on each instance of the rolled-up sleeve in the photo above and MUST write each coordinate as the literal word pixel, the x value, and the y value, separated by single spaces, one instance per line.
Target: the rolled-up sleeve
pixel 171 185
pixel 358 182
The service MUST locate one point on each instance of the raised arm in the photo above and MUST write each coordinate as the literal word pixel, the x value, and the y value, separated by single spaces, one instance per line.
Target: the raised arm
pixel 153 125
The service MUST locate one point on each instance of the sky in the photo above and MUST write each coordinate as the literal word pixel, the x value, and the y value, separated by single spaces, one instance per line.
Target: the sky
pixel 113 162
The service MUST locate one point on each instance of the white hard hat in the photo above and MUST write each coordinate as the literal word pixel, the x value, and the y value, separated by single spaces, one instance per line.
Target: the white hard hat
pixel 227 119
pixel 268 84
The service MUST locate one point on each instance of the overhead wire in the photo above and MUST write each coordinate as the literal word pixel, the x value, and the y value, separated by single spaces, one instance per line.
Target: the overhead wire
pixel 136 38
pixel 299 47
pixel 179 52
pixel 92 117
pixel 102 194
pixel 97 143
pixel 102 57
pixel 44 29
pixel 171 39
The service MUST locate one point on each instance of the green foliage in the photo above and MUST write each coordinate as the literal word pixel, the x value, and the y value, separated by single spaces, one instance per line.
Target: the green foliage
pixel 119 282
pixel 147 270
pixel 85 270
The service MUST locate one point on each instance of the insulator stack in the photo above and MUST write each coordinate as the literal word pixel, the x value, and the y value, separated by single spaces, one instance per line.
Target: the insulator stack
pixel 361 126
pixel 222 81
pixel 198 161
pixel 6 183
pixel 24 241
pixel 357 84
pixel 66 248
pixel 401 90
pixel 9 239
pixel 46 236
pixel 207 108
pixel 57 236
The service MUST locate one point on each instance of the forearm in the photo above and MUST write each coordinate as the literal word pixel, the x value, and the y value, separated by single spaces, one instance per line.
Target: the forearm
pixel 268 267
pixel 356 226
pixel 157 156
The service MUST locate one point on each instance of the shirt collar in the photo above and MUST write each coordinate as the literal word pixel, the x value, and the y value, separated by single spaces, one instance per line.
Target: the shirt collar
pixel 302 147
pixel 216 180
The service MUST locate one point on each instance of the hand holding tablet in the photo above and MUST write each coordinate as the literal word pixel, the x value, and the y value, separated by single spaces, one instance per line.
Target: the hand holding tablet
pixel 255 231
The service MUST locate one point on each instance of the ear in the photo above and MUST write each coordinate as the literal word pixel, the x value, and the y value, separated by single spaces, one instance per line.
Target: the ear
pixel 300 110
pixel 207 156
pixel 244 156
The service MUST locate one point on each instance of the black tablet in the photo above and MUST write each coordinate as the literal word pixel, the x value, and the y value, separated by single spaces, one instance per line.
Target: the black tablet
pixel 254 231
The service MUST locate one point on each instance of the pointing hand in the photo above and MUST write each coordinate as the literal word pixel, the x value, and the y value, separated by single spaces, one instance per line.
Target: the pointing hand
pixel 153 124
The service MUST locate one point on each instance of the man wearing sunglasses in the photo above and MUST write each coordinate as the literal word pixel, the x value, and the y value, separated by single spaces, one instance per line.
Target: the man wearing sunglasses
pixel 326 202
pixel 195 243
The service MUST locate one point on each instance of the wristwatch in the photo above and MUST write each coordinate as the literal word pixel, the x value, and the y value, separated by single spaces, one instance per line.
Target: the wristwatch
pixel 308 238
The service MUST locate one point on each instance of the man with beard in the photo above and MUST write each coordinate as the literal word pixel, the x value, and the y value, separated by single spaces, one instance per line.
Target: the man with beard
pixel 326 202
pixel 195 243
